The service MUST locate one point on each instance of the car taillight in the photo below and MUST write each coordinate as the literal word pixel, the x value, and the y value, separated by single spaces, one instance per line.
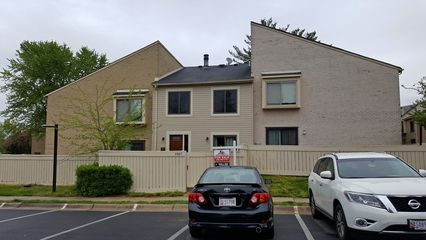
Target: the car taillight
pixel 258 198
pixel 196 198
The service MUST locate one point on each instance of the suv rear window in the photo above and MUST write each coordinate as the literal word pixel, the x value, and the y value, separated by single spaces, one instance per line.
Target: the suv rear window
pixel 374 168
pixel 229 175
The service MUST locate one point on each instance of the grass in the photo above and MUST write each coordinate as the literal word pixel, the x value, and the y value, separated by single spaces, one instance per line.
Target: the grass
pixel 282 186
pixel 66 191
pixel 37 190
pixel 288 186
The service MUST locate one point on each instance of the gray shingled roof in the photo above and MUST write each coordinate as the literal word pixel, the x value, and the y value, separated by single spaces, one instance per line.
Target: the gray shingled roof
pixel 207 75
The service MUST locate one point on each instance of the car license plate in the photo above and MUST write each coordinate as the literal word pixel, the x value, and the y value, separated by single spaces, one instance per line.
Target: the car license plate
pixel 227 202
pixel 417 224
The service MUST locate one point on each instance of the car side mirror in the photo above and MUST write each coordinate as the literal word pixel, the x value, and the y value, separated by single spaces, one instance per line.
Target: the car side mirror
pixel 268 181
pixel 326 175
pixel 422 172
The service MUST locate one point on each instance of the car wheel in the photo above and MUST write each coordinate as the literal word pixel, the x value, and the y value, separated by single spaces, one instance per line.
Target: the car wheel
pixel 268 233
pixel 195 232
pixel 343 232
pixel 314 211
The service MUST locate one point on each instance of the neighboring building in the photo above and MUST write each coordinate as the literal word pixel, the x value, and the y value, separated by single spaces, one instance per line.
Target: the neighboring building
pixel 412 132
pixel 197 108
pixel 132 73
pixel 310 93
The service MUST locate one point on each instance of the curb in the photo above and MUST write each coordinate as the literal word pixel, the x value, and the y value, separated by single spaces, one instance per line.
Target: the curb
pixel 303 210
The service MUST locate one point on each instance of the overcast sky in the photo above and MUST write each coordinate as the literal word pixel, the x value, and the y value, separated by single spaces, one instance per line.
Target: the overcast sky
pixel 388 30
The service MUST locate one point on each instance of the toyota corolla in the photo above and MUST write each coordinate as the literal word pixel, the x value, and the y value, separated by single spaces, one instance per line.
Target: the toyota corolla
pixel 230 197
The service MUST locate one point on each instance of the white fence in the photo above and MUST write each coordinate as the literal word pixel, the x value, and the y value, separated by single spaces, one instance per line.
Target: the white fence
pixel 37 169
pixel 175 171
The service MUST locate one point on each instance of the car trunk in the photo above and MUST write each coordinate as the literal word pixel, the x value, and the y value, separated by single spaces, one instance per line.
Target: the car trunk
pixel 229 196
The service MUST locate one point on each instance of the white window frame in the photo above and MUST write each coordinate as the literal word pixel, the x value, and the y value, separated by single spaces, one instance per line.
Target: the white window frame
pixel 212 101
pixel 212 134
pixel 190 104
pixel 281 77
pixel 168 133
pixel 142 97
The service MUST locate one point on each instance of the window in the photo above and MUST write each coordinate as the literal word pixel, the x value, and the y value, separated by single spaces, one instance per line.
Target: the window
pixel 282 136
pixel 225 101
pixel 129 110
pixel 135 145
pixel 411 126
pixel 179 103
pixel 281 93
pixel 224 140
pixel 281 89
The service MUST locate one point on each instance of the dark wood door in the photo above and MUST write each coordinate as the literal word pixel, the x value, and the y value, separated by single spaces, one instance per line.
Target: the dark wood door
pixel 175 143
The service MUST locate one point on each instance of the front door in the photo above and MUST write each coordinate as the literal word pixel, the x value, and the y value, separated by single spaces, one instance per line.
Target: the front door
pixel 178 142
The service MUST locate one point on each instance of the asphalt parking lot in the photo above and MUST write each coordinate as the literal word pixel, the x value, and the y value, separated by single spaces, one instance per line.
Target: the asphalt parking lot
pixel 69 224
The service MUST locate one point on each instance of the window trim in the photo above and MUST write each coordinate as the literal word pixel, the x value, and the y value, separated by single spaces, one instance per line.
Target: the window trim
pixel 281 79
pixel 212 134
pixel 168 133
pixel 191 110
pixel 268 128
pixel 142 97
pixel 212 101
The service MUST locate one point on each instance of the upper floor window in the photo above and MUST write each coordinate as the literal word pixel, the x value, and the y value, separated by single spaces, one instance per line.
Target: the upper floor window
pixel 225 101
pixel 129 110
pixel 179 103
pixel 281 89
pixel 129 106
pixel 281 93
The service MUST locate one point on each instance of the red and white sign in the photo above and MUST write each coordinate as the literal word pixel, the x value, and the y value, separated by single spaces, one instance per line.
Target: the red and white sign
pixel 221 156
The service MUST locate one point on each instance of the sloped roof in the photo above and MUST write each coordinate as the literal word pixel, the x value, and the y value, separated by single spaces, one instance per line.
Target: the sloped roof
pixel 115 62
pixel 207 75
pixel 331 47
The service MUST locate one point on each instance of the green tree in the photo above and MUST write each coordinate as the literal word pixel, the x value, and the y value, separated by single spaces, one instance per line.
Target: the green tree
pixel 243 55
pixel 419 114
pixel 91 117
pixel 37 69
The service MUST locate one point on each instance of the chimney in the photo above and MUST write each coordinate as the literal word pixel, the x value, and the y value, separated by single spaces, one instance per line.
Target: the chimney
pixel 206 60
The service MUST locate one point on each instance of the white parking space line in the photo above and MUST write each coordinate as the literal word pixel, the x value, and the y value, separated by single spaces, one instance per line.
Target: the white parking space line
pixel 83 226
pixel 178 233
pixel 27 216
pixel 2 205
pixel 303 225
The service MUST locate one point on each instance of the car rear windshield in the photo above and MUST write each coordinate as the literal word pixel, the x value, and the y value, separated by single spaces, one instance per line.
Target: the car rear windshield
pixel 230 175
pixel 374 168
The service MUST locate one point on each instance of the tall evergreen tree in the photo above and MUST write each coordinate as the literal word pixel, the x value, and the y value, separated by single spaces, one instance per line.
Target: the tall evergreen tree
pixel 244 54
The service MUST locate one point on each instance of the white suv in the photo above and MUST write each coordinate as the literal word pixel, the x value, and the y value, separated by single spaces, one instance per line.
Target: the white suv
pixel 372 192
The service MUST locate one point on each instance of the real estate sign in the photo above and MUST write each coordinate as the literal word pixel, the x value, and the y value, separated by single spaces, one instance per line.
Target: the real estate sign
pixel 221 156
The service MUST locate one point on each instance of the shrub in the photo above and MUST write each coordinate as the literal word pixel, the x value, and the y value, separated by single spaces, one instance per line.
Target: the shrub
pixel 93 180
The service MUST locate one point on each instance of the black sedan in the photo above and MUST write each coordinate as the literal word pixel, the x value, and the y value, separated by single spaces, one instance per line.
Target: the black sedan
pixel 229 197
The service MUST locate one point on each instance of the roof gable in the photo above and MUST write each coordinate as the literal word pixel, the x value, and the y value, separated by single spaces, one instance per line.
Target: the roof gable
pixel 255 24
pixel 156 43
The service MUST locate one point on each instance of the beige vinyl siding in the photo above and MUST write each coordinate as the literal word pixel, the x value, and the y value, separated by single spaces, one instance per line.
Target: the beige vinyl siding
pixel 202 123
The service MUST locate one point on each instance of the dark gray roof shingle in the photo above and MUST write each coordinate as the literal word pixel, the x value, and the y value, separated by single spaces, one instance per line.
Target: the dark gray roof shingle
pixel 207 75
